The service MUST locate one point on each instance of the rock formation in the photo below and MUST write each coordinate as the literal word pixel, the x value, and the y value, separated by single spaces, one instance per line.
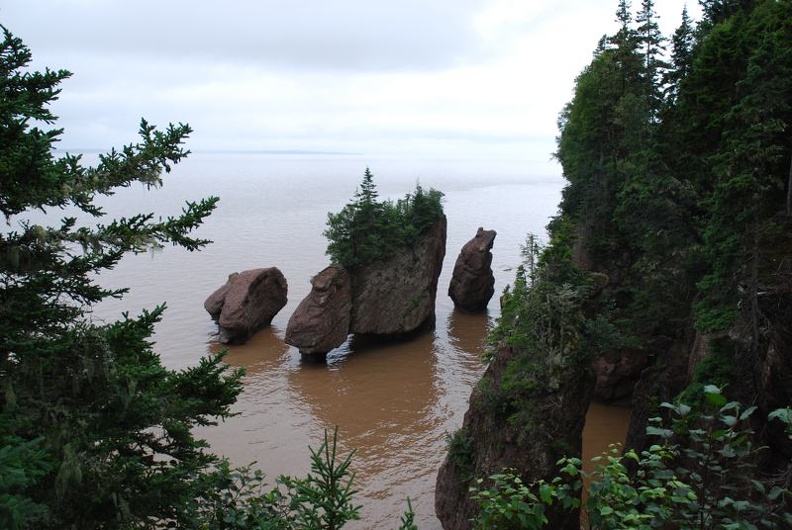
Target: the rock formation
pixel 397 295
pixel 389 297
pixel 758 371
pixel 321 321
pixel 247 302
pixel 494 436
pixel 472 282
pixel 617 374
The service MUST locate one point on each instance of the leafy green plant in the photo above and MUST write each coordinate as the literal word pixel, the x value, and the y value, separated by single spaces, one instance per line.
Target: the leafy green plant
pixel 407 521
pixel 699 477
pixel 783 415
pixel 510 504
pixel 716 457
pixel 234 498
pixel 718 368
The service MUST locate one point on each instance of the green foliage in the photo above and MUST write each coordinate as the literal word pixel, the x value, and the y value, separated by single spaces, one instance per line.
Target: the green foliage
pixel 232 498
pixel 540 312
pixel 679 195
pixel 545 314
pixel 783 415
pixel 95 431
pixel 718 368
pixel 553 323
pixel 679 187
pixel 460 452
pixel 407 521
pixel 750 158
pixel 240 498
pixel 698 477
pixel 509 504
pixel 22 463
pixel 323 499
pixel 367 230
pixel 715 456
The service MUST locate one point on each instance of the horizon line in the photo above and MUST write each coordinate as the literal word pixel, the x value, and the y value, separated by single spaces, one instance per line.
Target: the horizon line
pixel 97 150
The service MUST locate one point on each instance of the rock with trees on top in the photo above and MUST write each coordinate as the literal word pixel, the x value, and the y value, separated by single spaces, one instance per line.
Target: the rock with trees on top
pixel 392 253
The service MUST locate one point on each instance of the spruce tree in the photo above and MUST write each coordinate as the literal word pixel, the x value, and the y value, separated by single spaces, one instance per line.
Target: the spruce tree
pixel 367 230
pixel 652 45
pixel 681 55
pixel 95 431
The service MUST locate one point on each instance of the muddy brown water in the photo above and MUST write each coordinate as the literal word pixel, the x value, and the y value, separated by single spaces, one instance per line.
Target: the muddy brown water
pixel 393 403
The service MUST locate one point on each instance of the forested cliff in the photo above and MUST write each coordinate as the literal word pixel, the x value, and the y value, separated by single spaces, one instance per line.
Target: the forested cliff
pixel 673 242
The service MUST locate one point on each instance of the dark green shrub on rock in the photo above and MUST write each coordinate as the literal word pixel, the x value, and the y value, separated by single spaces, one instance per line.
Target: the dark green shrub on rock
pixel 368 230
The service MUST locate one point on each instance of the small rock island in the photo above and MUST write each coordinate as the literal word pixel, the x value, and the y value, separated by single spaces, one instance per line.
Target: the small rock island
pixel 387 258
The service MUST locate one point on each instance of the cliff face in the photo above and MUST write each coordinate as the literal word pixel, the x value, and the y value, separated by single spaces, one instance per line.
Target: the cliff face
pixel 496 436
pixel 685 205
pixel 752 362
pixel 773 371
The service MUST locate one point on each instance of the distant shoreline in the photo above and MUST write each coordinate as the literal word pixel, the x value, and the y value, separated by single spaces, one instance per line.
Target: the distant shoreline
pixel 94 150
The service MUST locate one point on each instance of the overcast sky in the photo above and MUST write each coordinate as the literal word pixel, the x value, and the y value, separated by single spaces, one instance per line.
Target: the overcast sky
pixel 440 78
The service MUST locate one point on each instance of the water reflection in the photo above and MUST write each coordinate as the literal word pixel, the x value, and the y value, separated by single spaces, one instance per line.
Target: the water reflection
pixel 393 403
pixel 263 352
pixel 384 397
pixel 272 427
pixel 467 332
pixel 381 398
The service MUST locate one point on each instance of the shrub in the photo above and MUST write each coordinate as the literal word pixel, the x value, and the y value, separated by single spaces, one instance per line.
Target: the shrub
pixel 367 230
pixel 702 475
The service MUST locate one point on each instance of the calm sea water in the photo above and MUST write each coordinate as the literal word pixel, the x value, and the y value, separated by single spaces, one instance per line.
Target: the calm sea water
pixel 392 404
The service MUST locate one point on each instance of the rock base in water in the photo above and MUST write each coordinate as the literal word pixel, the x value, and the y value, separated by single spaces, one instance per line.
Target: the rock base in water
pixel 472 282
pixel 321 321
pixel 247 302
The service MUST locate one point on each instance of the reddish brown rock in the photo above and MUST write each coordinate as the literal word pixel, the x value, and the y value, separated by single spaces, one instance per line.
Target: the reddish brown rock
pixel 397 295
pixel 495 437
pixel 247 302
pixel 617 375
pixel 321 321
pixel 472 282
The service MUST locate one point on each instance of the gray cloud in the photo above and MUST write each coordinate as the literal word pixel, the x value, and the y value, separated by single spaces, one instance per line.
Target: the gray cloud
pixel 308 34
pixel 418 77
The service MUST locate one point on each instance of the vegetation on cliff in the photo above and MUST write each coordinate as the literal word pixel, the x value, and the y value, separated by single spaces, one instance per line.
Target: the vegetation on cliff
pixel 697 475
pixel 680 192
pixel 679 168
pixel 368 230
pixel 672 239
